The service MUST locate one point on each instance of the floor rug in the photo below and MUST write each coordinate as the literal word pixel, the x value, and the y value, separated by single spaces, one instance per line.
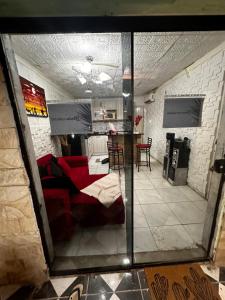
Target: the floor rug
pixel 180 282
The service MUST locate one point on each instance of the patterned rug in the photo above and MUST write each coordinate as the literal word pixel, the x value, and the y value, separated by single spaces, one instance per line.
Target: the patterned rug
pixel 180 282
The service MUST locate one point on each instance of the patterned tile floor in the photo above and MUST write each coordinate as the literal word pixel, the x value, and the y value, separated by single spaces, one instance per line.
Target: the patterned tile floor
pixel 130 285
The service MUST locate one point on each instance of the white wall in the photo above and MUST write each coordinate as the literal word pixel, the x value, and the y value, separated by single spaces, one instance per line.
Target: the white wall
pixel 139 100
pixel 40 127
pixel 203 77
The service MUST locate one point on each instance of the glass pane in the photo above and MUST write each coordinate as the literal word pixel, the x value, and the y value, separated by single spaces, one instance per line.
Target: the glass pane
pixel 175 84
pixel 128 136
pixel 85 82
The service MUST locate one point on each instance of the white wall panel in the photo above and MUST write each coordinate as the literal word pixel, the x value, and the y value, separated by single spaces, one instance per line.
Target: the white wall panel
pixel 40 127
pixel 203 77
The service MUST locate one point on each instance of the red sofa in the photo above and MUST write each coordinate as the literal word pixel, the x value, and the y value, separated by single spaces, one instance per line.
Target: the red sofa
pixel 78 207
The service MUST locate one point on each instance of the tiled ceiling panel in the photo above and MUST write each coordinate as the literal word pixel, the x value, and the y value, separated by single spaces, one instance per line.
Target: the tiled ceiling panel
pixel 158 57
pixel 162 55
pixel 55 55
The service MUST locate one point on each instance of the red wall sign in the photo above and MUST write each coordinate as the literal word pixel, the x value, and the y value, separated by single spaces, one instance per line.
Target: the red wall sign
pixel 34 97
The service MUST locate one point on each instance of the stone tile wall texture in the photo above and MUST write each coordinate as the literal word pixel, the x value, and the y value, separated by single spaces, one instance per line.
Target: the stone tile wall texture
pixel 40 127
pixel 203 77
pixel 21 254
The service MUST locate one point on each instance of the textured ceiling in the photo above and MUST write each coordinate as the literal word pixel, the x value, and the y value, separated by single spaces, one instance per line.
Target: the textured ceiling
pixel 160 56
pixel 157 57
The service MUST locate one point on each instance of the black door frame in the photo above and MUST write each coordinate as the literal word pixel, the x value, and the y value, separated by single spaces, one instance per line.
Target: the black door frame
pixel 26 25
pixel 51 25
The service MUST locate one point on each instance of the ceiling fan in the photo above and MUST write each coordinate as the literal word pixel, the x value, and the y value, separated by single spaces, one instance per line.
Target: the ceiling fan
pixel 89 62
pixel 84 72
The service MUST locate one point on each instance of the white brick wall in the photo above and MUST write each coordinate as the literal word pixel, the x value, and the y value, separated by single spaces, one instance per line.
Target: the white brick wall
pixel 40 127
pixel 203 77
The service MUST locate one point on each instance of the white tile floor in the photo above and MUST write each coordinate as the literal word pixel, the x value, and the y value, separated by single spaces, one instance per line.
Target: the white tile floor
pixel 171 217
pixel 165 217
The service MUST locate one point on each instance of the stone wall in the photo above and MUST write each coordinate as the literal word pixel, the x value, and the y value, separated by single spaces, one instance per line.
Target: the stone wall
pixel 21 254
pixel 40 127
pixel 205 76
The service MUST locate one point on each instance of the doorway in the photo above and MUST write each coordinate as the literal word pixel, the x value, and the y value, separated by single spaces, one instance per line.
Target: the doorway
pixel 96 106
pixel 149 185
pixel 171 196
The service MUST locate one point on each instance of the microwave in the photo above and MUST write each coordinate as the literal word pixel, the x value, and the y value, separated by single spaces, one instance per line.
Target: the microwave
pixel 110 114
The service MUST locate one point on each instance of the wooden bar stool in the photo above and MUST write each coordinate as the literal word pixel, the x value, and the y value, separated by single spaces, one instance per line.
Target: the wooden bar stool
pixel 143 148
pixel 115 152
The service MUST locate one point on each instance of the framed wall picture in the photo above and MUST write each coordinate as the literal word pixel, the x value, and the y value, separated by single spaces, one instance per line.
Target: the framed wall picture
pixel 34 98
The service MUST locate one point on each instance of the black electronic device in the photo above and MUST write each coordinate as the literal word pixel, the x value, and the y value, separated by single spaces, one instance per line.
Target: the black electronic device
pixel 170 137
pixel 219 166
pixel 178 169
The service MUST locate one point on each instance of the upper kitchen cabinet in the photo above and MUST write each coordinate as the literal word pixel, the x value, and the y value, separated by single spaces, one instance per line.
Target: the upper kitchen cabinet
pixel 107 109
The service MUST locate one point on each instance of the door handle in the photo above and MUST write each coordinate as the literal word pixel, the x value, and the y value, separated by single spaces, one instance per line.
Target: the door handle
pixel 219 166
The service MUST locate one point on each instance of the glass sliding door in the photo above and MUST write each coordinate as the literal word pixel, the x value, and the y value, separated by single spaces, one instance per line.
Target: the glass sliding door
pixel 82 77
pixel 122 97
pixel 176 196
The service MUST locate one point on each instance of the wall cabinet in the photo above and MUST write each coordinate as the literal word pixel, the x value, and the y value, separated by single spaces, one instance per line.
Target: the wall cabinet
pixel 112 103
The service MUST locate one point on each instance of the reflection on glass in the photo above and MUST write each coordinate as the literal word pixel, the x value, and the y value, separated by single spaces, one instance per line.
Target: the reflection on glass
pixel 85 166
pixel 170 194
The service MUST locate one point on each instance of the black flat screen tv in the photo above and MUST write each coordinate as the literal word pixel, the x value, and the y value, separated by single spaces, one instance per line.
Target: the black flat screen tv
pixel 183 111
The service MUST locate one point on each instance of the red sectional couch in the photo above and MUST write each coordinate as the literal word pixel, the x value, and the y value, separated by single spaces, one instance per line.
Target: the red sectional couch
pixel 76 207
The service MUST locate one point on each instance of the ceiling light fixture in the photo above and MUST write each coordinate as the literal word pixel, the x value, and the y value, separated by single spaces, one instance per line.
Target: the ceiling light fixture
pixel 126 261
pixel 104 77
pixel 86 67
pixel 126 95
pixel 88 91
pixel 97 81
pixel 82 79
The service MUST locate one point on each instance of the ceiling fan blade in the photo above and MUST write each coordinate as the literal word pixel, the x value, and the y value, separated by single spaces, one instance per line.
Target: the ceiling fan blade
pixel 78 62
pixel 105 65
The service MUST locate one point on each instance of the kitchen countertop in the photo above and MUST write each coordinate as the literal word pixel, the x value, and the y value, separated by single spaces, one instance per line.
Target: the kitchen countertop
pixel 118 133
pixel 96 133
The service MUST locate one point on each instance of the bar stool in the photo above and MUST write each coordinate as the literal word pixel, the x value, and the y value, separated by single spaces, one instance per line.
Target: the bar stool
pixel 115 152
pixel 143 148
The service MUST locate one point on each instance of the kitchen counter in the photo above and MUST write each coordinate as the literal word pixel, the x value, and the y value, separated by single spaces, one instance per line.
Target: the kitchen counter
pixel 98 141
pixel 137 139
pixel 96 133
pixel 107 133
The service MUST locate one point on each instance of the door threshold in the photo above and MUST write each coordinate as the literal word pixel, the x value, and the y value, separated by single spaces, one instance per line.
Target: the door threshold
pixel 170 256
pixel 88 262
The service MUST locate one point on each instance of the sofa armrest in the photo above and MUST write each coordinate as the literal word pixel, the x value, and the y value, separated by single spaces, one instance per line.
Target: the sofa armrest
pixel 58 207
pixel 76 161
pixel 61 183
pixel 57 201
pixel 47 177
pixel 56 194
